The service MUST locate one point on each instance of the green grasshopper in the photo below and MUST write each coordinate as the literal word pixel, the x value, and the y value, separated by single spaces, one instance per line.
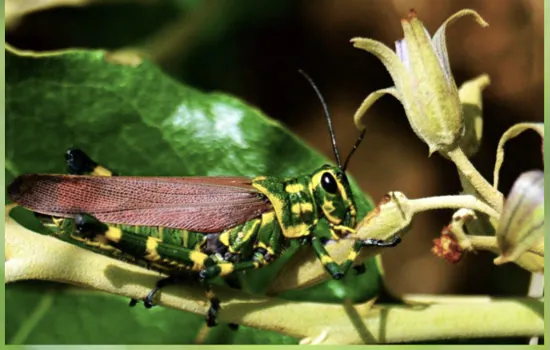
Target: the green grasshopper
pixel 206 226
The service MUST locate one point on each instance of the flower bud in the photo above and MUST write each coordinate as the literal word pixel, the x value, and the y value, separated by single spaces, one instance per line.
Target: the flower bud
pixel 521 226
pixel 423 82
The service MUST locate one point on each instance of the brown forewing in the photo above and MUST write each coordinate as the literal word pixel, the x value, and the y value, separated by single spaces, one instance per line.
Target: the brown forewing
pixel 203 204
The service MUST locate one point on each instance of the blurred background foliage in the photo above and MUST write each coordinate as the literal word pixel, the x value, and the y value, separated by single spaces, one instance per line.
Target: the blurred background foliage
pixel 253 50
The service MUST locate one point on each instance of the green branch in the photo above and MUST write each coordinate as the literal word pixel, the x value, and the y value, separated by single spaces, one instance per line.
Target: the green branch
pixel 38 257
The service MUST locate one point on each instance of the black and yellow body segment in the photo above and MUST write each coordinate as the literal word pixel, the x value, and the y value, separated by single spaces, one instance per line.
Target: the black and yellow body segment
pixel 299 204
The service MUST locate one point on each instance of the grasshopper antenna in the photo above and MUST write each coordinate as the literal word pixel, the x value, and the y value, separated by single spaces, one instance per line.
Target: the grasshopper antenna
pixel 327 115
pixel 359 139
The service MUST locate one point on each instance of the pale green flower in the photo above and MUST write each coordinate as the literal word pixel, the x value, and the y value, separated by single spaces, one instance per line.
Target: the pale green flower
pixel 423 82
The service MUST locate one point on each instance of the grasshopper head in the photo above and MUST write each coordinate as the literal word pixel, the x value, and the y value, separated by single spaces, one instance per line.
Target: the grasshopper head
pixel 329 184
pixel 333 195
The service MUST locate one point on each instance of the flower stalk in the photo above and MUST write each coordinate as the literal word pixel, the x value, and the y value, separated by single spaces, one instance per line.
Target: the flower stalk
pixel 489 193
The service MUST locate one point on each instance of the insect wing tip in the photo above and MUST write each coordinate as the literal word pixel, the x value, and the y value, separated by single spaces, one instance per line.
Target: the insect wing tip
pixel 16 188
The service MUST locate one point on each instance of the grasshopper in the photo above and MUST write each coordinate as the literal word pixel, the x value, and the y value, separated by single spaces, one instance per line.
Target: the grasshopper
pixel 206 226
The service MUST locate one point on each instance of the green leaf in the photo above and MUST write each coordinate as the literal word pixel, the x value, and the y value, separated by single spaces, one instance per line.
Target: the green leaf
pixel 138 121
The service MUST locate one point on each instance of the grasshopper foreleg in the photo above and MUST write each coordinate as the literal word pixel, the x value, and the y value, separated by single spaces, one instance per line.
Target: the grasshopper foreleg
pixel 337 271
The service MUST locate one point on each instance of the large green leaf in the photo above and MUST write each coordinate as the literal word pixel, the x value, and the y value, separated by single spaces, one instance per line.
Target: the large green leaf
pixel 138 121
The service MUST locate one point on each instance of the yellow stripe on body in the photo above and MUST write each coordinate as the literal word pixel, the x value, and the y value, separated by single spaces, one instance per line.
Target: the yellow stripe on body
pixel 294 188
pixel 266 247
pixel 344 229
pixel 100 243
pixel 224 238
pixel 328 208
pixel 226 269
pixel 334 235
pixel 101 171
pixel 151 249
pixel 268 218
pixel 113 234
pixel 301 208
pixel 58 221
pixel 297 230
pixel 325 259
pixel 198 260
pixel 251 230
pixel 352 255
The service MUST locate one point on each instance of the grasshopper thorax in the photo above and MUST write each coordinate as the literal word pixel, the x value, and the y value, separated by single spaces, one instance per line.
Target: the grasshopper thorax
pixel 300 202
pixel 333 195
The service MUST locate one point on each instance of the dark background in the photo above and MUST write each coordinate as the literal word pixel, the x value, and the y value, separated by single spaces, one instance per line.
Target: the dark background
pixel 253 50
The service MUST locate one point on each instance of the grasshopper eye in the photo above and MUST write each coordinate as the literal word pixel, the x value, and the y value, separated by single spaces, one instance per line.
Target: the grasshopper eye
pixel 329 183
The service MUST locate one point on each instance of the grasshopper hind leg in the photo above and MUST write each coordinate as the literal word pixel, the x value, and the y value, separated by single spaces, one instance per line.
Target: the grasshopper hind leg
pixel 79 163
pixel 88 226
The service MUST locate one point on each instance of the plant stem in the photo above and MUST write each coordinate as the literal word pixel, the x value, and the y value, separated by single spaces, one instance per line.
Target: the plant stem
pixel 488 243
pixel 532 260
pixel 34 256
pixel 483 187
pixel 452 202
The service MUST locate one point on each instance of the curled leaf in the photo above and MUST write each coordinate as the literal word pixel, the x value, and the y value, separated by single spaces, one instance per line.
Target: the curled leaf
pixel 521 225
pixel 510 134
pixel 369 101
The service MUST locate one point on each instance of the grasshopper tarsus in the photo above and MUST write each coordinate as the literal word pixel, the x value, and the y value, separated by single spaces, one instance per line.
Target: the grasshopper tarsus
pixel 212 312
pixel 380 243
pixel 214 301
pixel 148 301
